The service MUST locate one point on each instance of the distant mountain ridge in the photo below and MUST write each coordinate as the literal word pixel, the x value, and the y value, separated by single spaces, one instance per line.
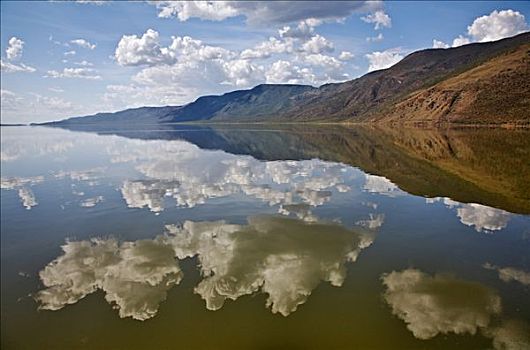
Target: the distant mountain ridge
pixel 476 83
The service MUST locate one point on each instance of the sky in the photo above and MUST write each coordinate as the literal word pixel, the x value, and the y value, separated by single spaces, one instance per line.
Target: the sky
pixel 70 58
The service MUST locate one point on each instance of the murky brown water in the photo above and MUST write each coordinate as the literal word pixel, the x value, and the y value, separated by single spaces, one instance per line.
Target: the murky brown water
pixel 188 237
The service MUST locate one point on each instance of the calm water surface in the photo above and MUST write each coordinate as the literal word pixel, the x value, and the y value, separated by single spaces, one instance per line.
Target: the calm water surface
pixel 188 237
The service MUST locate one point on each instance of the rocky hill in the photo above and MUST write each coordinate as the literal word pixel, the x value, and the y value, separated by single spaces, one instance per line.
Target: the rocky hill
pixel 495 91
pixel 377 95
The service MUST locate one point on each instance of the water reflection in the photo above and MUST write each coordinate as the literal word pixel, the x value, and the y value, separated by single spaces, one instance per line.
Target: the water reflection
pixel 508 274
pixel 192 176
pixel 271 213
pixel 485 166
pixel 21 185
pixel 469 166
pixel 282 257
pixel 430 305
pixel 380 185
pixel 441 304
pixel 16 146
pixel 482 218
pixel 91 202
pixel 134 275
pixel 89 175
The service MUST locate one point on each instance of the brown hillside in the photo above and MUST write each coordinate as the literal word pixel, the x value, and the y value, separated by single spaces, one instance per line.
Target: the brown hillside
pixel 376 93
pixel 495 92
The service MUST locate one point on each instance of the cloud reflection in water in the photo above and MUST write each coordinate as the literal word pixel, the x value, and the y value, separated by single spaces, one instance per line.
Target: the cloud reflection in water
pixel 284 258
pixel 441 304
pixel 481 217
pixel 21 184
pixel 134 275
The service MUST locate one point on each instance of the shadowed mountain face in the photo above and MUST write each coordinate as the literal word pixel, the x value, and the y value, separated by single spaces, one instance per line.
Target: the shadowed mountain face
pixel 476 83
pixel 142 115
pixel 467 165
pixel 259 103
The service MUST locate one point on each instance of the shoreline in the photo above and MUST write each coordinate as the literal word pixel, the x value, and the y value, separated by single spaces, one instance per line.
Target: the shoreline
pixel 415 125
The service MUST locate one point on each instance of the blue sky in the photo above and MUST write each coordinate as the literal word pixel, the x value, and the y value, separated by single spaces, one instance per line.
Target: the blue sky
pixel 62 59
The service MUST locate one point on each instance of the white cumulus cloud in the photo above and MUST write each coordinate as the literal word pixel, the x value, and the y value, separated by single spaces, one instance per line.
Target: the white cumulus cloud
pixel 303 30
pixel 83 43
pixel 383 59
pixel 14 52
pixel 438 44
pixel 317 44
pixel 187 67
pixel 54 103
pixel 80 73
pixel 379 18
pixel 8 67
pixel 267 48
pixel 373 39
pixel 147 50
pixel 285 72
pixel 133 50
pixel 346 56
pixel 14 48
pixel 460 40
pixel 497 25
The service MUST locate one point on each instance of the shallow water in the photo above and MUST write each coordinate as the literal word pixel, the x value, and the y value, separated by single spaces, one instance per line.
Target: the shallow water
pixel 195 237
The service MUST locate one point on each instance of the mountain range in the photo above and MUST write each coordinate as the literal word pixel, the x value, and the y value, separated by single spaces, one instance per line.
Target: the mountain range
pixel 479 83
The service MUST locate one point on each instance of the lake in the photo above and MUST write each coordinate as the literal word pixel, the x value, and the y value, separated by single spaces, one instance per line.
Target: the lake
pixel 265 237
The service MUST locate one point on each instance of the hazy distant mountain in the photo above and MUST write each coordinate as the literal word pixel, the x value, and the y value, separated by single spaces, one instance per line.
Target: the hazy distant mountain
pixel 146 115
pixel 475 83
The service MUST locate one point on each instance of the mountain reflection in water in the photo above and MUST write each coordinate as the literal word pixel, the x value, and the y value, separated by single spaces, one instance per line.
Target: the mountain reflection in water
pixel 426 232
pixel 486 166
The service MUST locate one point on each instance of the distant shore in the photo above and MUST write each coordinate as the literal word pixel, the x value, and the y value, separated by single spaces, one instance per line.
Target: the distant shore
pixel 415 124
